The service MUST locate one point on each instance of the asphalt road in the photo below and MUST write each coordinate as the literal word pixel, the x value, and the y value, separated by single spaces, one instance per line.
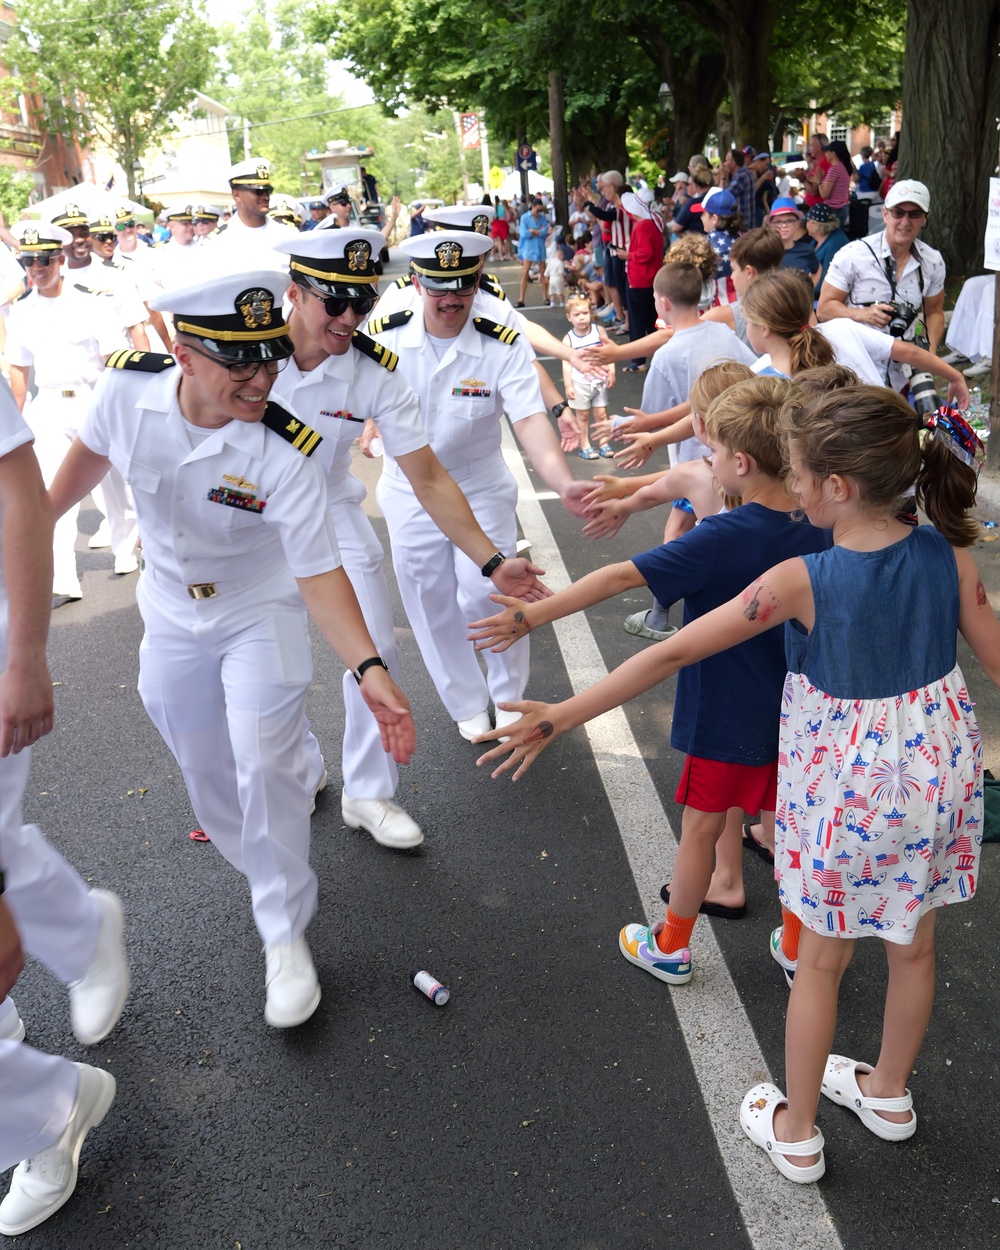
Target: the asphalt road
pixel 560 1098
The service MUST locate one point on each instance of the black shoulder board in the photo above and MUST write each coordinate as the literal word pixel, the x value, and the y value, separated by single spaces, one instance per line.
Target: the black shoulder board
pixel 404 281
pixel 381 355
pixel 389 322
pixel 490 283
pixel 506 334
pixel 143 362
pixel 302 437
pixel 89 290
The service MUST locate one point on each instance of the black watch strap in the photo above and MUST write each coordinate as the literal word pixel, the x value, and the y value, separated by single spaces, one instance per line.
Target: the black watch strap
pixel 374 661
pixel 559 409
pixel 492 564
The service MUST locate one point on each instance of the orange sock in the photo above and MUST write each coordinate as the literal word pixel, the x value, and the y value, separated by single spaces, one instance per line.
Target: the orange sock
pixel 792 927
pixel 676 933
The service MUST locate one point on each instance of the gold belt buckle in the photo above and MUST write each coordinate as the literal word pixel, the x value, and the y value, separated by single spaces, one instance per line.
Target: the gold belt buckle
pixel 202 590
pixel 69 394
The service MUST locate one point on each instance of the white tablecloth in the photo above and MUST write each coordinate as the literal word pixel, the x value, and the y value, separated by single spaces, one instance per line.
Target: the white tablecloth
pixel 970 330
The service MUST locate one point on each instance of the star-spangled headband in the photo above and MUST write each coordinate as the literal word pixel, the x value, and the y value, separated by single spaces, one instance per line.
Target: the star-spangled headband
pixel 949 427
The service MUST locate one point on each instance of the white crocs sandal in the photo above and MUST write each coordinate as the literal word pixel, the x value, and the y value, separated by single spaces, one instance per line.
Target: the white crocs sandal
pixel 840 1085
pixel 757 1120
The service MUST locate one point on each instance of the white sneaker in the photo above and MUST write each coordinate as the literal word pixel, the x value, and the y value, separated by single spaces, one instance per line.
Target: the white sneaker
pixel 126 564
pixel 385 820
pixel 42 1184
pixel 980 370
pixel 320 785
pixel 68 592
pixel 97 999
pixel 11 1024
pixel 474 726
pixel 102 538
pixel 292 985
pixel 953 358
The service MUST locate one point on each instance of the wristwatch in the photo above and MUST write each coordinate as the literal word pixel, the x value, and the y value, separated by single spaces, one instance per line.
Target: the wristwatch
pixel 375 661
pixel 492 564
pixel 559 409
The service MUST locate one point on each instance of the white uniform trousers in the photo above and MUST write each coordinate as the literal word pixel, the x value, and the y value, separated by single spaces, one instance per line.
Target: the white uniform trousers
pixel 224 681
pixel 369 773
pixel 113 500
pixel 58 923
pixel 443 590
pixel 54 417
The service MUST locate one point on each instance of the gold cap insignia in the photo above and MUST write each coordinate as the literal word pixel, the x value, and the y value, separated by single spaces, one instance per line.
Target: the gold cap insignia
pixel 255 305
pixel 449 255
pixel 481 224
pixel 73 210
pixel 263 173
pixel 106 223
pixel 30 238
pixel 358 255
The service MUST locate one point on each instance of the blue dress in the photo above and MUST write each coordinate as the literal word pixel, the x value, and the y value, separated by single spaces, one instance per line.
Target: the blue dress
pixel 880 800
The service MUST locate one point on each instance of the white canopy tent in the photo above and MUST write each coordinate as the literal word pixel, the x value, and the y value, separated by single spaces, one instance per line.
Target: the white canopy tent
pixel 511 185
pixel 95 201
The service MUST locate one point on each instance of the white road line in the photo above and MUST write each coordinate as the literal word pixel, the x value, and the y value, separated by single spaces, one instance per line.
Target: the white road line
pixel 724 1051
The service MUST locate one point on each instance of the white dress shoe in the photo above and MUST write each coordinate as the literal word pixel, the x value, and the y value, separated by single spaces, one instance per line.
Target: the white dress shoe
pixel 475 725
pixel 385 820
pixel 11 1024
pixel 102 538
pixel 503 719
pixel 68 592
pixel 291 983
pixel 97 999
pixel 42 1184
pixel 126 564
pixel 320 785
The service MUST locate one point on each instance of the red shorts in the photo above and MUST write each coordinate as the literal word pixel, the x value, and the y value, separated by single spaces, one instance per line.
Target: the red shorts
pixel 499 229
pixel 711 786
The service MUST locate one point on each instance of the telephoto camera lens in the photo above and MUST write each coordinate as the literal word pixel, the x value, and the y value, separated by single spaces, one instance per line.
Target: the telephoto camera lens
pixel 923 393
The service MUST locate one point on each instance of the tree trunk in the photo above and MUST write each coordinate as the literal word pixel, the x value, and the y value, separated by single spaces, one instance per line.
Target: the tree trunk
pixel 698 90
pixel 557 136
pixel 751 84
pixel 951 101
pixel 596 142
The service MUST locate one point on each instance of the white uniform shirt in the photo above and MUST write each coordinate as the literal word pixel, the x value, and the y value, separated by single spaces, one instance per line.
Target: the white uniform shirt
pixel 248 247
pixel 66 345
pixel 176 265
pixel 186 535
pixel 138 266
pixel 336 398
pixel 862 348
pixel 13 433
pixel 463 396
pixel 98 280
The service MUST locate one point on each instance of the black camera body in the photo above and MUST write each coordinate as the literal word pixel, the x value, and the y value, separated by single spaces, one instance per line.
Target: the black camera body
pixel 903 315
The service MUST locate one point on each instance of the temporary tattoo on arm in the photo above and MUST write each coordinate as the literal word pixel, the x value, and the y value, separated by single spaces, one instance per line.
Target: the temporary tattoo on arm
pixel 759 603
pixel 542 730
pixel 521 619
pixel 981 599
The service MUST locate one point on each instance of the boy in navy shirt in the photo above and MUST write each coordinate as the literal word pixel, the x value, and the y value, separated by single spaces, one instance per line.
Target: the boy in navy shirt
pixel 726 709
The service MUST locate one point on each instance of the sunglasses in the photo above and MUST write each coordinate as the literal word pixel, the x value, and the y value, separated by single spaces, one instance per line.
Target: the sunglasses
pixel 337 305
pixel 103 238
pixel 26 262
pixel 260 190
pixel 339 199
pixel 125 225
pixel 243 371
pixel 914 214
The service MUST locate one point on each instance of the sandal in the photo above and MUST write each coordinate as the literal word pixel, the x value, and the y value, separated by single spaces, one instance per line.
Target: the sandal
pixel 718 910
pixel 587 453
pixel 757 1120
pixel 607 452
pixel 840 1085
pixel 751 844
pixel 199 835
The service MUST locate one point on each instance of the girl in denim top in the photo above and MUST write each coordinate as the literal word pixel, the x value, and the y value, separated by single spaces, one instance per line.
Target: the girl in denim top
pixel 879 767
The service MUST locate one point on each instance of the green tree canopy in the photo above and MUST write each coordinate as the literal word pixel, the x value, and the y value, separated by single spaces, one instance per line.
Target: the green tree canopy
pixel 113 82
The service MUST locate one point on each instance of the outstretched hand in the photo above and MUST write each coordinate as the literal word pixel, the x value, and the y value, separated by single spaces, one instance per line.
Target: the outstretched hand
pixel 569 431
pixel 637 451
pixel 526 738
pixel 606 519
pixel 519 577
pixel 391 709
pixel 501 631
pixel 573 498
pixel 610 488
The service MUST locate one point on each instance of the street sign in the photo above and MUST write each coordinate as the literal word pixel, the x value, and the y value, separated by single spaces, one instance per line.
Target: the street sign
pixel 527 158
pixel 496 178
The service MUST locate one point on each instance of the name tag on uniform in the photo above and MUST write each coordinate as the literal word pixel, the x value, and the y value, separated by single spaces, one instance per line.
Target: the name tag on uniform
pixel 471 388
pixel 342 416
pixel 236 499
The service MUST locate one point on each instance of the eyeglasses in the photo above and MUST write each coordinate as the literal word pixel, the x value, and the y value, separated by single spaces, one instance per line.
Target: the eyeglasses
pixel 103 238
pixel 26 262
pixel 789 219
pixel 914 214
pixel 337 305
pixel 463 293
pixel 243 371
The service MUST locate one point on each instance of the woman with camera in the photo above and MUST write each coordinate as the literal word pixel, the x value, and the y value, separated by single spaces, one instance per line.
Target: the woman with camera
pixel 889 280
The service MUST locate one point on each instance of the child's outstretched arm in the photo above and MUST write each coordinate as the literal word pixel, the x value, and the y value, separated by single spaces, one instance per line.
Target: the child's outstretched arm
pixel 519 618
pixel 977 622
pixel 612 487
pixel 676 483
pixel 779 595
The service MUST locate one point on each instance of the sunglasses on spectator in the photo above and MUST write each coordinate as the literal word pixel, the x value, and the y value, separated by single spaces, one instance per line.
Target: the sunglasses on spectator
pixel 914 214
pixel 337 305
pixel 27 261
pixel 103 238
pixel 243 370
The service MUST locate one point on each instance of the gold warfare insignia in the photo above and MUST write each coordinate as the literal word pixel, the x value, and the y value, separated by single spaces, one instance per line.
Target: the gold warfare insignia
pixel 481 224
pixel 449 255
pixel 255 306
pixel 239 482
pixel 473 382
pixel 358 255
pixel 30 238
pixel 263 173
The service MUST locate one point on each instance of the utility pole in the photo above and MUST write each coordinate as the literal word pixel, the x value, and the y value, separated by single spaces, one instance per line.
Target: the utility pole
pixel 557 134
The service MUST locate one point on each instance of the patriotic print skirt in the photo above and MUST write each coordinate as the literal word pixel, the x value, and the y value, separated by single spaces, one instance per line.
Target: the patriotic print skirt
pixel 880 807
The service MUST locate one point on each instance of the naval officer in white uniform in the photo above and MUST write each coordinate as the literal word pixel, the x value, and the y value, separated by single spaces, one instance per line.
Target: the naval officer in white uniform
pixel 337 380
pixel 467 371
pixel 236 536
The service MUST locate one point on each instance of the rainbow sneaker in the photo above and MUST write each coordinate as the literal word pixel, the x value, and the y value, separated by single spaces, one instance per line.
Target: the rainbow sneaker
pixel 637 942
